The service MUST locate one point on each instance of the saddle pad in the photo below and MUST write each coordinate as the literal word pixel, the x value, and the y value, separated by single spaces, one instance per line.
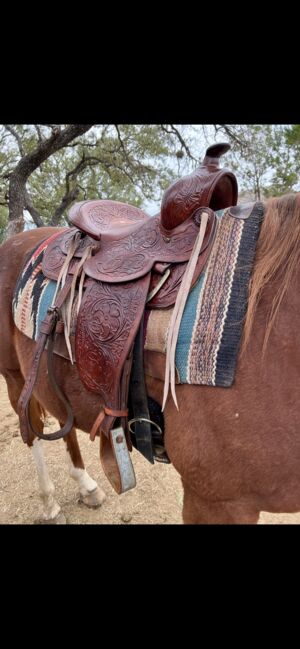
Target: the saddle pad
pixel 33 293
pixel 212 323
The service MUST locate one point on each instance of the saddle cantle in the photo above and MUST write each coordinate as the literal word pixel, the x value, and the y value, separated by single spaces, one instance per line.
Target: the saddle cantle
pixel 207 186
pixel 127 262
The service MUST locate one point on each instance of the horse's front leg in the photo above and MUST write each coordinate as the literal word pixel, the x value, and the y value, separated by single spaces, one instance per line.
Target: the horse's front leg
pixel 89 492
pixel 51 509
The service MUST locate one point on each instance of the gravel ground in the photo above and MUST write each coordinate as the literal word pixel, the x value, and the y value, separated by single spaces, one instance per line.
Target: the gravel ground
pixel 157 498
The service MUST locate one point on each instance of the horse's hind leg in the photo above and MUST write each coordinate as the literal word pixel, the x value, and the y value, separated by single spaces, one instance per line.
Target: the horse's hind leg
pixel 14 382
pixel 197 511
pixel 89 492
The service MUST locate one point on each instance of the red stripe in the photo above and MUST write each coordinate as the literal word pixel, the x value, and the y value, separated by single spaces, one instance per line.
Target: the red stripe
pixel 46 243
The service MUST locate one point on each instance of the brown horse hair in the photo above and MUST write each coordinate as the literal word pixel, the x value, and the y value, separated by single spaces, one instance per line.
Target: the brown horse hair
pixel 277 255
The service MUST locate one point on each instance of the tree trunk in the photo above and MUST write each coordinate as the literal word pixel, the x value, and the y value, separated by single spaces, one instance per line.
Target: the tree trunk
pixel 16 203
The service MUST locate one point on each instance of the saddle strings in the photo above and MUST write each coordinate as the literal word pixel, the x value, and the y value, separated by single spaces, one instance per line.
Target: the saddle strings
pixel 175 321
pixel 66 308
pixel 69 303
pixel 74 241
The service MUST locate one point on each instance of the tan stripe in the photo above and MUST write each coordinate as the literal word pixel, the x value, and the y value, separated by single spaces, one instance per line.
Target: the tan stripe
pixel 235 252
pixel 210 321
pixel 157 329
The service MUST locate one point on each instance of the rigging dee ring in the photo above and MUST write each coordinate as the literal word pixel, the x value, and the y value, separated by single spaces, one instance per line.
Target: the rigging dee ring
pixel 140 420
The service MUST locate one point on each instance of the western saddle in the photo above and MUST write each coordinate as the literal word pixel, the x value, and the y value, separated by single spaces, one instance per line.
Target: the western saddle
pixel 121 262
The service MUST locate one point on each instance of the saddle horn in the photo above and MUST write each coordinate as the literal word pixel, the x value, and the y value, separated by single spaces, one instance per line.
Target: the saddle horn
pixel 207 186
pixel 214 153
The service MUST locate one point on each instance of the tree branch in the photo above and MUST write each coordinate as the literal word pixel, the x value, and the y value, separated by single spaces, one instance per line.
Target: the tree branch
pixel 32 211
pixel 65 202
pixel 71 193
pixel 17 138
pixel 174 131
pixel 87 145
pixel 231 134
pixel 38 130
pixel 121 142
pixel 83 189
pixel 58 140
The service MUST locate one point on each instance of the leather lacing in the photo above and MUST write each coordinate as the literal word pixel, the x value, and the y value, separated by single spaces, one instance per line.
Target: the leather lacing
pixel 66 309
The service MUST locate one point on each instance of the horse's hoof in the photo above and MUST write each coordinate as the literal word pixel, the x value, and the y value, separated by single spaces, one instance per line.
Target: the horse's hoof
pixel 94 499
pixel 60 519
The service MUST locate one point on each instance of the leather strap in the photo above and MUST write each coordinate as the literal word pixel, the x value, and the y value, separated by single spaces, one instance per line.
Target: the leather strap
pixel 47 330
pixel 124 395
pixel 106 411
pixel 139 399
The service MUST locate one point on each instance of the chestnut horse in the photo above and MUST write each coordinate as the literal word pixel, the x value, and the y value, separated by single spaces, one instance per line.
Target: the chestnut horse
pixel 237 449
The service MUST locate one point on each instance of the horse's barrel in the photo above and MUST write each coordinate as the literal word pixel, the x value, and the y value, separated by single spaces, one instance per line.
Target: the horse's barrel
pixel 207 186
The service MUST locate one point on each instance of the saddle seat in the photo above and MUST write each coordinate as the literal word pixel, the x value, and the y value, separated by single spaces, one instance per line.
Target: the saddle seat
pixel 107 220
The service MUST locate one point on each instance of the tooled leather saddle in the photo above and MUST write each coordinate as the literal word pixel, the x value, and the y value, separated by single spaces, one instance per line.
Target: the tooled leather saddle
pixel 126 262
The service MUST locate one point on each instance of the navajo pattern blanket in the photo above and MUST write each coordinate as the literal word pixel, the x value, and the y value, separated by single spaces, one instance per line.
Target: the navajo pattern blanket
pixel 33 293
pixel 212 323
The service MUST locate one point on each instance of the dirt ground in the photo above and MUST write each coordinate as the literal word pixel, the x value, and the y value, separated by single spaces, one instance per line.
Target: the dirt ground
pixel 157 498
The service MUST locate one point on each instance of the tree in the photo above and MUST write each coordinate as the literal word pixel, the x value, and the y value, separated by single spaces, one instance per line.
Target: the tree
pixel 265 157
pixel 44 173
pixel 18 196
pixel 285 159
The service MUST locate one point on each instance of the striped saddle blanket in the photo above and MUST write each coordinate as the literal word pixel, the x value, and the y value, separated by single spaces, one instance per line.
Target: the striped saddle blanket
pixel 212 322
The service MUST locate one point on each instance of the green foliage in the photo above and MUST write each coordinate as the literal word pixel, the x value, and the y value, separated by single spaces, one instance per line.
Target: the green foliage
pixel 130 163
pixel 293 135
pixel 267 159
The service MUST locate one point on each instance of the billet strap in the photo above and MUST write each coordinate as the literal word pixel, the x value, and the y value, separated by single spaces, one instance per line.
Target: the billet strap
pixel 46 333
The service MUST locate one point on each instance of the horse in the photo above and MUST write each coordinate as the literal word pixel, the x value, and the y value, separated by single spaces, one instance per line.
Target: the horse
pixel 236 449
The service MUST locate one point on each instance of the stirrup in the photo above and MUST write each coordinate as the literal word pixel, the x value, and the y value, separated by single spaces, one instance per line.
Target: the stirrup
pixel 159 451
pixel 123 459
